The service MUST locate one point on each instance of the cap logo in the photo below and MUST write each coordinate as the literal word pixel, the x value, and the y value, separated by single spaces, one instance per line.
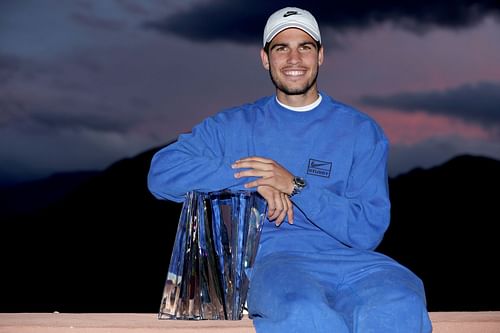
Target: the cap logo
pixel 290 13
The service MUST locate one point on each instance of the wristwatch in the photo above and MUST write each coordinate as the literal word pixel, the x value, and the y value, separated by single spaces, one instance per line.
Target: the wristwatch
pixel 298 185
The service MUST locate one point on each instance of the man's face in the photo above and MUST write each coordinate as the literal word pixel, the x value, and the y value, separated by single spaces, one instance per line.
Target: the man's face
pixel 293 61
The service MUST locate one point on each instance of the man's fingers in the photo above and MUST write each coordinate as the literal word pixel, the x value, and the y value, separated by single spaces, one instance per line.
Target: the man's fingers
pixel 255 158
pixel 274 174
pixel 260 182
pixel 279 205
pixel 289 211
pixel 252 173
pixel 271 207
pixel 252 165
pixel 283 213
pixel 269 196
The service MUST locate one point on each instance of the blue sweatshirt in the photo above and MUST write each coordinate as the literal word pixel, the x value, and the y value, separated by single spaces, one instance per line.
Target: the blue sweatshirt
pixel 341 152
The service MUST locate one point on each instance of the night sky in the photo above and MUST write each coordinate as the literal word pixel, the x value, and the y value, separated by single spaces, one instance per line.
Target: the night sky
pixel 86 83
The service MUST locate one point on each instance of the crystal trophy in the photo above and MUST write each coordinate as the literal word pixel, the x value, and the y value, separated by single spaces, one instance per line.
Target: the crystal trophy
pixel 214 251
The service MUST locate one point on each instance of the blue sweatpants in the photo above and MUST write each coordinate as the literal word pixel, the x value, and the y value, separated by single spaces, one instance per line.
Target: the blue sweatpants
pixel 339 291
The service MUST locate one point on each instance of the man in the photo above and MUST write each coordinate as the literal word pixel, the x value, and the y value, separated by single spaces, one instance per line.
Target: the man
pixel 322 168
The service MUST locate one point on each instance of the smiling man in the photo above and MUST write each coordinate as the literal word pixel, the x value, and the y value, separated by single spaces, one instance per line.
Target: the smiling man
pixel 321 165
pixel 293 59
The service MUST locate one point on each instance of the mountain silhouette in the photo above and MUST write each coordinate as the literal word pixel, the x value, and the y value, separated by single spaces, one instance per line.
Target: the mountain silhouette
pixel 28 197
pixel 444 226
pixel 103 243
pixel 104 247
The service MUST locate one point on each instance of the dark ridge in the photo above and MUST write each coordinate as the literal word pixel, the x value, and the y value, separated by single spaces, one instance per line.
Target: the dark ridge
pixel 103 244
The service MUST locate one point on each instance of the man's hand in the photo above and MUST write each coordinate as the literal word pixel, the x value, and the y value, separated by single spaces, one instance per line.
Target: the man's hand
pixel 278 205
pixel 270 173
pixel 275 183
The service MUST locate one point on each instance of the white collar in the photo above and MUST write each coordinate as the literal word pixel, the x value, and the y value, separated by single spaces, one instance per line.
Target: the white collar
pixel 304 108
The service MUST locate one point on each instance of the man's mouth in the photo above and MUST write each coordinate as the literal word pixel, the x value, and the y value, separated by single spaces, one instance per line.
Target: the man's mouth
pixel 294 72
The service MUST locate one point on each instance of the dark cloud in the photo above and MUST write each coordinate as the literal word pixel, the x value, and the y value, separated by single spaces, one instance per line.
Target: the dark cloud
pixel 106 121
pixel 243 21
pixel 478 103
pixel 9 66
pixel 55 97
pixel 62 114
pixel 96 14
pixel 133 7
pixel 97 22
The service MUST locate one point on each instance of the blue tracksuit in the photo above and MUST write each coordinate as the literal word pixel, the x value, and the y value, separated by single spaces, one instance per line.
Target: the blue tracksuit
pixel 321 273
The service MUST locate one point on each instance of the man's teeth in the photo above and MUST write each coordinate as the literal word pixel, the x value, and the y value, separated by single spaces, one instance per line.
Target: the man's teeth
pixel 294 73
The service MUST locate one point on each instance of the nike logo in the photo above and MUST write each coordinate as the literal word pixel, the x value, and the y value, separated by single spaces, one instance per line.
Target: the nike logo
pixel 319 168
pixel 315 164
pixel 290 13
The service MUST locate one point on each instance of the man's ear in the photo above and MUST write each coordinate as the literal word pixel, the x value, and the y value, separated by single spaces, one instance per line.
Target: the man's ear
pixel 320 55
pixel 265 59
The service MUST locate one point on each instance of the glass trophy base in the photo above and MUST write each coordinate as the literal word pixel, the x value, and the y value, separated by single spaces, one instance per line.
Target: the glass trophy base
pixel 215 247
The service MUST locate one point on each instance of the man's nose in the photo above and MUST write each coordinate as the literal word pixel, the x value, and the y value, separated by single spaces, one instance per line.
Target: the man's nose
pixel 294 56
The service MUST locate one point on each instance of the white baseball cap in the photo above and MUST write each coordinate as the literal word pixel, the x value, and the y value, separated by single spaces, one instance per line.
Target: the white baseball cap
pixel 291 17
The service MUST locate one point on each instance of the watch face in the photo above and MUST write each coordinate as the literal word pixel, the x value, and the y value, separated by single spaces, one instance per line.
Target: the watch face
pixel 300 181
pixel 298 184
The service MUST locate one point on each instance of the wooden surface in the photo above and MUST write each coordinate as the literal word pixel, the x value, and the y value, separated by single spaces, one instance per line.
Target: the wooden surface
pixel 443 322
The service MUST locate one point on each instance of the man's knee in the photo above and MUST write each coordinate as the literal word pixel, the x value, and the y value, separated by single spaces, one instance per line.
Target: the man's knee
pixel 396 310
pixel 300 315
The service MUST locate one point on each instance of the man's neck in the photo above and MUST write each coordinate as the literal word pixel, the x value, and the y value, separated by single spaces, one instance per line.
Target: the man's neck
pixel 298 100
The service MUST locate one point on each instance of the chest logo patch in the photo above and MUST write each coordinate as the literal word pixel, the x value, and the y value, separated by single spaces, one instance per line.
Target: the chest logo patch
pixel 319 168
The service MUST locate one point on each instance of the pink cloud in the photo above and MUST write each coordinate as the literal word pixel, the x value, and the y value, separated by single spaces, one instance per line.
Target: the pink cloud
pixel 412 128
